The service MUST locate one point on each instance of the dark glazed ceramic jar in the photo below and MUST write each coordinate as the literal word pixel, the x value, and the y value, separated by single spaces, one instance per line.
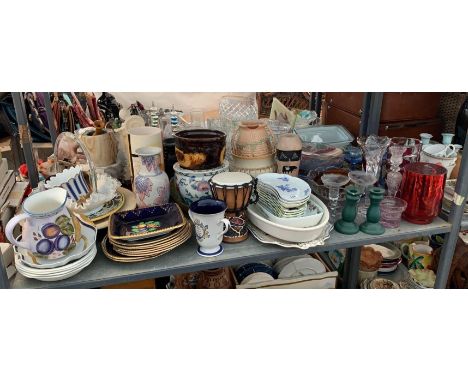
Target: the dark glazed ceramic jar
pixel 200 149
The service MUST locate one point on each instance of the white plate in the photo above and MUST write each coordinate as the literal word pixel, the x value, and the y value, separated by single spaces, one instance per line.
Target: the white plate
pixel 290 234
pixel 20 266
pixel 88 239
pixel 310 217
pixel 134 121
pixel 302 267
pixel 64 275
pixel 289 188
pixel 281 263
pixel 257 277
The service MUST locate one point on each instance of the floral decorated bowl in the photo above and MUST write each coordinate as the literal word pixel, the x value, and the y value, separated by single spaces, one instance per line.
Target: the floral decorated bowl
pixel 200 149
pixel 193 185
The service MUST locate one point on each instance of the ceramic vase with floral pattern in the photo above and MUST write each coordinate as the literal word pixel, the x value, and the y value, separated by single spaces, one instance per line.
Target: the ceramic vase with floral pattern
pixel 151 185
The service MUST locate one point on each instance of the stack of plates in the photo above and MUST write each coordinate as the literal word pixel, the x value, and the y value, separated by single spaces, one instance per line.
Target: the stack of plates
pixel 145 233
pixel 283 193
pixel 391 256
pixel 32 265
pixel 288 201
pixel 448 196
pixel 298 266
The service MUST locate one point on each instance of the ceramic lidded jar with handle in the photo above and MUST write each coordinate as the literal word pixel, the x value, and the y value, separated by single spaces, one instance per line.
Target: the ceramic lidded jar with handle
pixel 151 185
pixel 288 154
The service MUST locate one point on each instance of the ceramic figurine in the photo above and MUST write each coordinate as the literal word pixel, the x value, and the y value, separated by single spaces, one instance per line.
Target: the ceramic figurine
pixel 346 224
pixel 372 225
pixel 151 185
pixel 288 154
pixel 49 228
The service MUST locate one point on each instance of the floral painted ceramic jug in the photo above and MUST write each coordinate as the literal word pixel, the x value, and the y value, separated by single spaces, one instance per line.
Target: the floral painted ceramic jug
pixel 151 185
pixel 49 228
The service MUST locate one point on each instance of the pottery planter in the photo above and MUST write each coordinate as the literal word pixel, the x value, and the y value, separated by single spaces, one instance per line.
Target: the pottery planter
pixel 151 185
pixel 193 185
pixel 200 149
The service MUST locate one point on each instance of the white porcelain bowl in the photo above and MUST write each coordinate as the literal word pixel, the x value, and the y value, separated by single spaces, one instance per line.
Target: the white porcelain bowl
pixel 308 220
pixel 291 234
pixel 193 184
pixel 448 163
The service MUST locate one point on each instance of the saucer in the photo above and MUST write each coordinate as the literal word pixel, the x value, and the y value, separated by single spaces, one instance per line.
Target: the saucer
pixel 107 208
pixel 288 188
pixel 214 254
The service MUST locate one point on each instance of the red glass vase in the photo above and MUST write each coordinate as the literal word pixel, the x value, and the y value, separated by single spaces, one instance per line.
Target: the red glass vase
pixel 422 187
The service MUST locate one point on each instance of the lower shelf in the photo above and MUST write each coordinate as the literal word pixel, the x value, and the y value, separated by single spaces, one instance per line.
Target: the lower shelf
pixel 103 272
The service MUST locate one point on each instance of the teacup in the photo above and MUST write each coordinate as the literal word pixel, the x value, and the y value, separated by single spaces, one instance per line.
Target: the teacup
pixel 50 229
pixel 210 225
pixel 72 180
pixel 419 255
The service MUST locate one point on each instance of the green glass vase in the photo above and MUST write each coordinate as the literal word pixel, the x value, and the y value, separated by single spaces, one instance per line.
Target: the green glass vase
pixel 346 224
pixel 372 224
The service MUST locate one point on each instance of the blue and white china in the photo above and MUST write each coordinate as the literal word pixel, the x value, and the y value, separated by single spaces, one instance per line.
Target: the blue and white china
pixel 193 185
pixel 72 180
pixel 210 225
pixel 288 188
pixel 425 138
pixel 151 185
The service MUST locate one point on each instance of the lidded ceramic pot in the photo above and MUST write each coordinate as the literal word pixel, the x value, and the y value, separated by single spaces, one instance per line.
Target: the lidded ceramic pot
pixel 253 148
pixel 288 154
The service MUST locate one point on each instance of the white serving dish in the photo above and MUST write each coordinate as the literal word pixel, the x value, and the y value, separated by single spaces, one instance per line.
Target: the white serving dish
pixel 302 267
pixel 291 234
pixel 307 220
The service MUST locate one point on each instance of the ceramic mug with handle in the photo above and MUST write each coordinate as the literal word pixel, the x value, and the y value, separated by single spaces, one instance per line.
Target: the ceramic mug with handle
pixel 49 228
pixel 419 255
pixel 210 225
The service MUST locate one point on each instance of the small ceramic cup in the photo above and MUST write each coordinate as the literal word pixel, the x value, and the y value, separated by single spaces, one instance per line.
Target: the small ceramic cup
pixel 210 225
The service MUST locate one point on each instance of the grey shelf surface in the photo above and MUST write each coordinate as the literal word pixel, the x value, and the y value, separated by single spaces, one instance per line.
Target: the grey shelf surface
pixel 102 271
pixel 464 222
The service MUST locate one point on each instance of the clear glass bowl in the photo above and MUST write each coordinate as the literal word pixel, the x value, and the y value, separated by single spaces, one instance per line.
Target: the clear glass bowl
pixel 391 209
pixel 237 108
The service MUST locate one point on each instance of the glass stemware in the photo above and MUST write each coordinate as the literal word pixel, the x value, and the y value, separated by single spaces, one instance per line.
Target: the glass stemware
pixel 333 182
pixel 374 148
pixel 394 176
pixel 363 180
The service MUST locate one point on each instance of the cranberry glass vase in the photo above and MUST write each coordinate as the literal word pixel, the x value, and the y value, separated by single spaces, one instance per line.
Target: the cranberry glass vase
pixel 422 187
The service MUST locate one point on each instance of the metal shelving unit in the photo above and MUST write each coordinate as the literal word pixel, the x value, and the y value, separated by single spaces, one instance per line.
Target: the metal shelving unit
pixel 184 259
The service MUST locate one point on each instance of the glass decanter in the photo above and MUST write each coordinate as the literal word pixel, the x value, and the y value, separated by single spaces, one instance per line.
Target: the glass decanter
pixel 394 176
pixel 333 182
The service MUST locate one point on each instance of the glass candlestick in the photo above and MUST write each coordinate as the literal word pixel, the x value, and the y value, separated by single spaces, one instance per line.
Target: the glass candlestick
pixel 333 182
pixel 394 176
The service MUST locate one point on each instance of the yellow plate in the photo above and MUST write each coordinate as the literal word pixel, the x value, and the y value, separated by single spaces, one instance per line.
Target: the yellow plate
pixel 129 204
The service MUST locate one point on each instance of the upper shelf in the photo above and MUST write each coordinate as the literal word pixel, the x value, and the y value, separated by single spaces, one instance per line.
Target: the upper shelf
pixel 103 271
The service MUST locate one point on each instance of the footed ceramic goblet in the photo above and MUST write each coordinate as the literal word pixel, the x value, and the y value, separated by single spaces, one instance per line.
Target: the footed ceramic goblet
pixel 210 225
